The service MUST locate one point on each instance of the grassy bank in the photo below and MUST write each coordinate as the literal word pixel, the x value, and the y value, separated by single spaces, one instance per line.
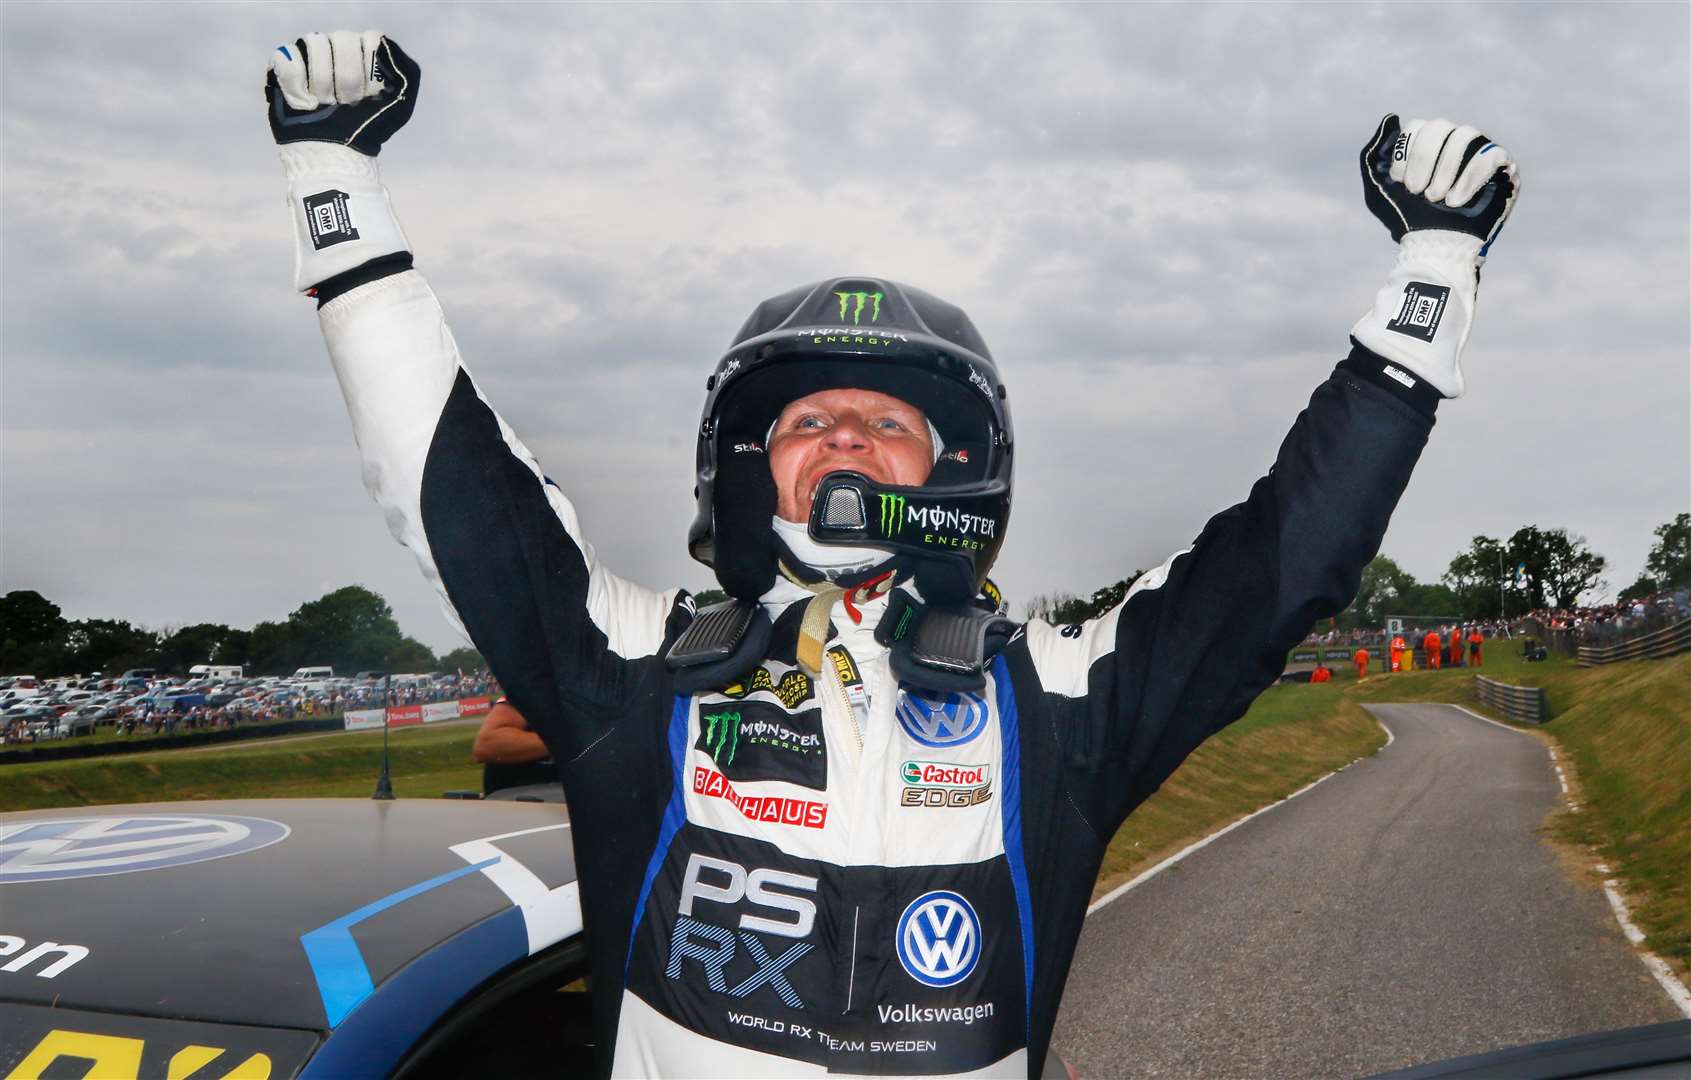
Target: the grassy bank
pixel 425 762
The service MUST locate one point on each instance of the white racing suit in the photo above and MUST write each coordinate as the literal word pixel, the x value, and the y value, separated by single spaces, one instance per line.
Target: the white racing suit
pixel 772 883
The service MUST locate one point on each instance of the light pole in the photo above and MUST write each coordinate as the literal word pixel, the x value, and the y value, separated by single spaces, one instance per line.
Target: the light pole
pixel 384 786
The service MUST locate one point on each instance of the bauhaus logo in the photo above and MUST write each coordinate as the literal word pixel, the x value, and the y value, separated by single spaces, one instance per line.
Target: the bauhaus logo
pixel 951 720
pixel 939 938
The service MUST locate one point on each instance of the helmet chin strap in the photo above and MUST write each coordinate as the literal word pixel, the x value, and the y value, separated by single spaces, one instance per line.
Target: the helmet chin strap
pixel 828 561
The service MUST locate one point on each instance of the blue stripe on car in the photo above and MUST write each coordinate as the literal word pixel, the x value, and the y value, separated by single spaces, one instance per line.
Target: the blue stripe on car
pixel 381 1030
pixel 343 979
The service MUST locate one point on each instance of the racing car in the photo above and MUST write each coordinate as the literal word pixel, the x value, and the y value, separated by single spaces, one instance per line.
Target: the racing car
pixel 277 938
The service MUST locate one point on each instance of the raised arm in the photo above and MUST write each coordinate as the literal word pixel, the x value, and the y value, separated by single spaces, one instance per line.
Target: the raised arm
pixel 1132 693
pixel 500 542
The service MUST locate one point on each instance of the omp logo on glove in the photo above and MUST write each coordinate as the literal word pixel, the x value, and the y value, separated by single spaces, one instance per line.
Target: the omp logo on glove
pixel 1423 306
pixel 328 218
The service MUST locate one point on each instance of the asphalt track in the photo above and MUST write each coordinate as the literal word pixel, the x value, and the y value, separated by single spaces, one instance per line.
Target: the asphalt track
pixel 1403 911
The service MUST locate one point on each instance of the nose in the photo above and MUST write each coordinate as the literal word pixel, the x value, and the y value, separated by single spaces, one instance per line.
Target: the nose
pixel 849 434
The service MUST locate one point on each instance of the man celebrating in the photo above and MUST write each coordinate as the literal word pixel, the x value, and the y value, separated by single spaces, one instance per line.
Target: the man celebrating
pixel 849 820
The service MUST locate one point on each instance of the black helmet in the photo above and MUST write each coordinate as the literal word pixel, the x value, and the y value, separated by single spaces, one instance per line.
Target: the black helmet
pixel 874 334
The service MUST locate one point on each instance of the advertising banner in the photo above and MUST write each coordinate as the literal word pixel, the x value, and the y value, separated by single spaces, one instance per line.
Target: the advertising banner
pixel 401 715
pixel 436 711
pixel 474 706
pixel 360 719
pixel 1302 655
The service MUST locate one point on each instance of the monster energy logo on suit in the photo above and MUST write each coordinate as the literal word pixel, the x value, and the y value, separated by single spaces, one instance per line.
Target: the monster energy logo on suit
pixel 860 299
pixel 756 740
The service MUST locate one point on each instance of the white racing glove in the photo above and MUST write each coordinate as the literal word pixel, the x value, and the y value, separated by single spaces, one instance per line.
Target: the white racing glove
pixel 334 99
pixel 1444 192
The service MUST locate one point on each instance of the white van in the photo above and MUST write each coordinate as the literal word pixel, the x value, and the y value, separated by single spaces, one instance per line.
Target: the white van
pixel 215 671
pixel 312 673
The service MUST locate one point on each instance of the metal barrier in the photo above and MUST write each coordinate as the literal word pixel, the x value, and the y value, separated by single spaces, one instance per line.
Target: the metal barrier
pixel 1522 703
pixel 1670 639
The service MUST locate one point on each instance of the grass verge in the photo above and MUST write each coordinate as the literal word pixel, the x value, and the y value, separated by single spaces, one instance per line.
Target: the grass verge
pixel 424 762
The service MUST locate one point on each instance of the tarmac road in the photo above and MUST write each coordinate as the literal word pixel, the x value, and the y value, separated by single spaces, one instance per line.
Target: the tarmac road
pixel 1403 911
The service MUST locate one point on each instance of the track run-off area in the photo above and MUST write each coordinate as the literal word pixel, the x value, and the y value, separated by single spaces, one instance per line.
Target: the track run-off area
pixel 1405 909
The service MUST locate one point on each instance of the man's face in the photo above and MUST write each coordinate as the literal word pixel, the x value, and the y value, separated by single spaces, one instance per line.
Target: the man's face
pixel 862 430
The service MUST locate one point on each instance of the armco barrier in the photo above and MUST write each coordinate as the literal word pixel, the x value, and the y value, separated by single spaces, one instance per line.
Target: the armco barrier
pixel 1522 703
pixel 1671 639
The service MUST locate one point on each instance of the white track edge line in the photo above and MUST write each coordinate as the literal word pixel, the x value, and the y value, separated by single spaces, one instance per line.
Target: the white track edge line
pixel 1122 890
pixel 1676 990
pixel 1477 716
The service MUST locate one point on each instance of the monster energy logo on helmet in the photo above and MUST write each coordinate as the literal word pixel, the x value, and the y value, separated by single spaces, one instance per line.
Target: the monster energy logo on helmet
pixel 892 515
pixel 859 299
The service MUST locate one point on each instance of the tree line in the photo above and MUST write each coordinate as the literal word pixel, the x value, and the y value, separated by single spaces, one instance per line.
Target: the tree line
pixel 351 629
pixel 1493 578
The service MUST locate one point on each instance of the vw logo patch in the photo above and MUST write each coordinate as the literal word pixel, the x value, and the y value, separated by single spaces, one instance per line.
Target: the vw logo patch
pixel 60 848
pixel 951 720
pixel 939 938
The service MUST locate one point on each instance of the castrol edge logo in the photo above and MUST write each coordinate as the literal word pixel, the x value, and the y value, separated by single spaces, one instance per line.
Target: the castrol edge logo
pixel 939 783
pixel 944 774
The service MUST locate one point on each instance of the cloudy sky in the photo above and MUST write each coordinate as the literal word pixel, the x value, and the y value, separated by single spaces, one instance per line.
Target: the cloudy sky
pixel 1152 213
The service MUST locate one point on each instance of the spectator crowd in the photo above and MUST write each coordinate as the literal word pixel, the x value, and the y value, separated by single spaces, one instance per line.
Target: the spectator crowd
pixel 169 705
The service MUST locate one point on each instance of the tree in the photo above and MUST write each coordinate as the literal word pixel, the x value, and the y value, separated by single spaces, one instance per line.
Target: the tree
pixel 1478 576
pixel 190 645
pixel 1559 567
pixel 1644 586
pixel 351 628
pixel 463 658
pixel 704 598
pixel 271 649
pixel 107 645
pixel 1063 608
pixel 1385 589
pixel 29 625
pixel 1669 561
pixel 29 618
pixel 409 655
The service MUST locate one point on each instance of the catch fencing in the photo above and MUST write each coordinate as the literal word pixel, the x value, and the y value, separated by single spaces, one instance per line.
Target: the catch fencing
pixel 1521 703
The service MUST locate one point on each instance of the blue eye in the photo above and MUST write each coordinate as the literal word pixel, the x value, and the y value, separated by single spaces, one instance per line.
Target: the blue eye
pixel 809 421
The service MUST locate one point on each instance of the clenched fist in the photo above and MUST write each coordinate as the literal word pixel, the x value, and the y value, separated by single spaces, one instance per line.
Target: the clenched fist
pixel 349 88
pixel 1433 174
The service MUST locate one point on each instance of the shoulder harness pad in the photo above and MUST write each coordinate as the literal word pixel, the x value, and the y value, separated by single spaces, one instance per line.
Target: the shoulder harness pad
pixel 941 648
pixel 723 642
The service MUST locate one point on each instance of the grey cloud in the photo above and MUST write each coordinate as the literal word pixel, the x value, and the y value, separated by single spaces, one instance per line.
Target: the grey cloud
pixel 1150 211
